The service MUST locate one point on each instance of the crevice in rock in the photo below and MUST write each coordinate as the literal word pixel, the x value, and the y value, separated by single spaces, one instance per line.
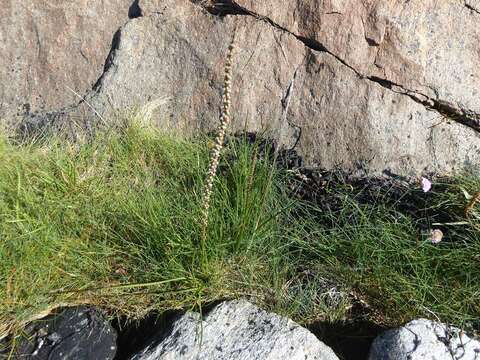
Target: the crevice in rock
pixel 135 11
pixel 350 340
pixel 133 336
pixel 472 8
pixel 444 108
pixel 382 82
pixel 109 61
pixel 286 106
pixel 371 42
pixel 221 8
pixel 43 122
pixel 461 116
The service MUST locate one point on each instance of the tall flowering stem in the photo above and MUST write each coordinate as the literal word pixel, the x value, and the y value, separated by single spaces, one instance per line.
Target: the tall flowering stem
pixel 225 120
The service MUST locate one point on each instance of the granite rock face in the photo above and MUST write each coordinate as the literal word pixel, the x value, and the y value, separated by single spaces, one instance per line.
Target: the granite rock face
pixel 424 339
pixel 425 48
pixel 362 85
pixel 48 47
pixel 236 330
pixel 288 87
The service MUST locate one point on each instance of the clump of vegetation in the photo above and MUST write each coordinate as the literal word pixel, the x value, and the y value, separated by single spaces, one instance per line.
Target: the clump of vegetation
pixel 114 222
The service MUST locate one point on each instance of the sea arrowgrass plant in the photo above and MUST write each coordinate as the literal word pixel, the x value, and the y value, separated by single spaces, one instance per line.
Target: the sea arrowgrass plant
pixel 225 120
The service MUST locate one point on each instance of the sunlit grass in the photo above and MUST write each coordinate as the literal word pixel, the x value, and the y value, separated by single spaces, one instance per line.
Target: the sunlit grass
pixel 114 222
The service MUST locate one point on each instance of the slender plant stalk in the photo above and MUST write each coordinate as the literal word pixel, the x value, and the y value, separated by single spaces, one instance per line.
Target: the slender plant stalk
pixel 218 145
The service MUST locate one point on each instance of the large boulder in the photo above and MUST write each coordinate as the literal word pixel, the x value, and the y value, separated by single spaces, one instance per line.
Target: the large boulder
pixel 370 87
pixel 235 330
pixel 48 47
pixel 424 339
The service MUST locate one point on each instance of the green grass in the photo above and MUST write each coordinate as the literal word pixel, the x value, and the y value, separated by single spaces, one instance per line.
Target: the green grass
pixel 115 222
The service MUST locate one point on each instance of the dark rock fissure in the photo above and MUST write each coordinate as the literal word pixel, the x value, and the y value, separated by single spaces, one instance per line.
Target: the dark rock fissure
pixel 442 107
pixel 349 340
pixel 447 110
pixel 222 8
pixel 109 61
pixel 286 106
pixel 135 11
pixel 133 336
pixel 472 9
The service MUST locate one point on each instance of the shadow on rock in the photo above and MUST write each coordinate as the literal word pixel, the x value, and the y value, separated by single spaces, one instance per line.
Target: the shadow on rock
pixel 349 340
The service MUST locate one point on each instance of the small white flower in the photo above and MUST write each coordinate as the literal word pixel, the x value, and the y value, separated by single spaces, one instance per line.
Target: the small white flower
pixel 426 184
pixel 436 236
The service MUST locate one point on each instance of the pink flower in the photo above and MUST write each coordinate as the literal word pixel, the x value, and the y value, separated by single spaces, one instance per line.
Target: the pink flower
pixel 426 184
pixel 436 236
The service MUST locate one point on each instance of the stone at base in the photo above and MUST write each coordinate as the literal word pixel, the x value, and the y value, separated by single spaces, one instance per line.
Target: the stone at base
pixel 236 330
pixel 73 334
pixel 425 340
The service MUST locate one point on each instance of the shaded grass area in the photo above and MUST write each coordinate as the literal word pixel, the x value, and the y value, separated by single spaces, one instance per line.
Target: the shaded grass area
pixel 115 222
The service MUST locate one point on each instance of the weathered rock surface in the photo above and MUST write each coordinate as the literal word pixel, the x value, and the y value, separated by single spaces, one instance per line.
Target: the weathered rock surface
pixel 280 85
pixel 236 330
pixel 47 46
pixel 368 85
pixel 428 49
pixel 473 5
pixel 74 333
pixel 178 53
pixel 425 339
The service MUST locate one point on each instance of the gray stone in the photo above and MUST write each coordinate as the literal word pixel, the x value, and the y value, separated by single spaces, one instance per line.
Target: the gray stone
pixel 425 340
pixel 70 334
pixel 236 330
